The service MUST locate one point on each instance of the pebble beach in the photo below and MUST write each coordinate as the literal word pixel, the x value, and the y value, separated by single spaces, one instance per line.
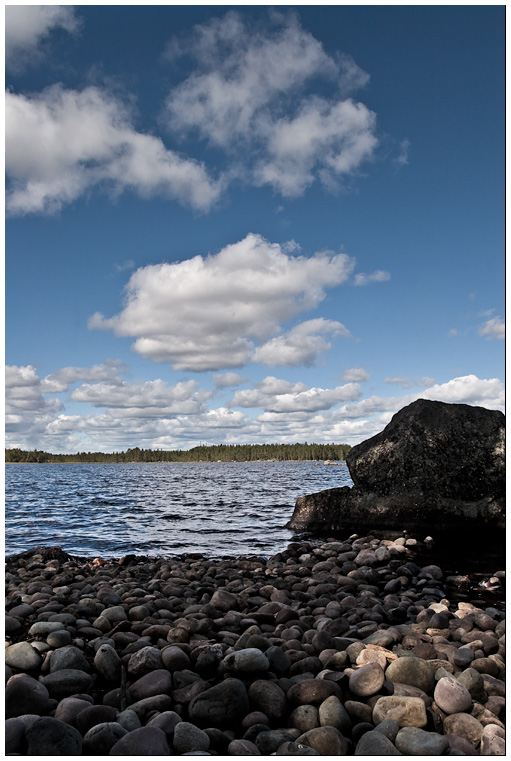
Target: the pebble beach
pixel 328 648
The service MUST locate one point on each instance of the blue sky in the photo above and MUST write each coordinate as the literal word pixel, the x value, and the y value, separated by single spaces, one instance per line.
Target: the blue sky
pixel 248 224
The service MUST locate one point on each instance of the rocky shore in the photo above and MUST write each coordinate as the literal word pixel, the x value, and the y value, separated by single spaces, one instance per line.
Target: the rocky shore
pixel 337 647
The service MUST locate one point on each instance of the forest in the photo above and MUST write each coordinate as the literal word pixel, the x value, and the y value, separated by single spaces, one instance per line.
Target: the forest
pixel 215 453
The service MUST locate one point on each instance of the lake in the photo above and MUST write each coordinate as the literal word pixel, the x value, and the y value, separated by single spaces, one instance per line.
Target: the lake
pixel 111 509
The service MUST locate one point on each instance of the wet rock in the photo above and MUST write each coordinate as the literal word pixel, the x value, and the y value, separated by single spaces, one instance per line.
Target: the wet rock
pixel 51 737
pixel 412 741
pixel 146 741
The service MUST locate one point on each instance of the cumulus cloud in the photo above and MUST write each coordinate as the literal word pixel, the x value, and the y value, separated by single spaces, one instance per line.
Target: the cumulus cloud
pixel 273 395
pixel 61 143
pixel 379 276
pixel 301 345
pixel 494 329
pixel 59 381
pixel 28 26
pixel 248 91
pixel 145 399
pixel 356 374
pixel 206 313
pixel 226 380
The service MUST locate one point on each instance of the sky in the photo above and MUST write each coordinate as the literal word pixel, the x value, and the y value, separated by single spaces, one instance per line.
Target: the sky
pixel 249 224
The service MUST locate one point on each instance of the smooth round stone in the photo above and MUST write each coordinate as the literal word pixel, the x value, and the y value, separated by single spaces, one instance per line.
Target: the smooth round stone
pixel 223 704
pixel 246 661
pixel 304 718
pixel 311 691
pixel 464 725
pixel 412 741
pixel 375 744
pixel 101 738
pixel 328 741
pixel 145 741
pixel 60 638
pixel 255 717
pixel 66 682
pixel 413 671
pixel 174 659
pixel 166 721
pixel 474 682
pixel 158 682
pixel 332 713
pixel 493 741
pixel 12 625
pixel 23 695
pixel 463 657
pixel 243 748
pixel 51 737
pixel 407 711
pixel 268 741
pixel 69 708
pixel 107 663
pixel 14 735
pixel 68 658
pixel 43 628
pixel 188 737
pixel 268 698
pixel 129 720
pixel 94 714
pixel 451 696
pixel 371 656
pixel 295 749
pixel 389 728
pixel 22 656
pixel 367 680
pixel 461 747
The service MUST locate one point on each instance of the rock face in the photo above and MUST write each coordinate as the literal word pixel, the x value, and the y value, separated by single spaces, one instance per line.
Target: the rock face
pixel 434 466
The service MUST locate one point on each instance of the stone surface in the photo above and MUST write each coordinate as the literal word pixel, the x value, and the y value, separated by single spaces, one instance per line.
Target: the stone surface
pixel 367 680
pixel 464 725
pixel 51 737
pixel 246 661
pixel 101 738
pixel 413 671
pixel 188 737
pixel 268 698
pixel 434 464
pixel 221 705
pixel 22 656
pixel 407 711
pixel 412 741
pixel 24 694
pixel 493 741
pixel 451 696
pixel 107 663
pixel 146 741
pixel 375 744
pixel 328 741
pixel 65 682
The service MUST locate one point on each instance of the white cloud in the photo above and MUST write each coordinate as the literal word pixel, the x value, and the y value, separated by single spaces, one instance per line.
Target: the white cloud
pixel 226 380
pixel 277 396
pixel 494 329
pixel 402 157
pixel 301 345
pixel 60 143
pixel 356 374
pixel 60 381
pixel 28 26
pixel 205 313
pixel 248 91
pixel 379 276
pixel 423 381
pixel 144 399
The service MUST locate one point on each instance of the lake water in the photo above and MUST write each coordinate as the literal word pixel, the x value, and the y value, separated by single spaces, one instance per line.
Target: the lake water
pixel 159 508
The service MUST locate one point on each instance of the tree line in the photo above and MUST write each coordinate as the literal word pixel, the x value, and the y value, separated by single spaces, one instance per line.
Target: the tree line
pixel 214 453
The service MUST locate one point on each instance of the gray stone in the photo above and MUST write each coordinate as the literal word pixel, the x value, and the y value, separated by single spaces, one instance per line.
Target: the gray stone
pixel 413 671
pixel 69 708
pixel 101 738
pixel 145 660
pixel 367 680
pixel 221 705
pixel 158 682
pixel 407 711
pixel 145 741
pixel 107 663
pixel 389 728
pixel 243 748
pixel 68 658
pixel 269 698
pixel 129 720
pixel 22 656
pixel 332 713
pixel 23 694
pixel 166 721
pixel 493 741
pixel 312 691
pixel 268 741
pixel 451 696
pixel 247 661
pixel 94 714
pixel 375 743
pixel 60 638
pixel 296 749
pixel 464 725
pixel 412 741
pixel 14 736
pixel 65 682
pixel 43 628
pixel 304 718
pixel 188 737
pixel 51 737
pixel 328 741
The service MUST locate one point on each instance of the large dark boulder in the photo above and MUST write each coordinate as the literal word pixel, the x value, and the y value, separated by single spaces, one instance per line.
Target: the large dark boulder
pixel 435 467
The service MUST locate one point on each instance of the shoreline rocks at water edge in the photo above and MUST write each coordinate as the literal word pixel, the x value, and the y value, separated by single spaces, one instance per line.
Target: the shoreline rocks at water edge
pixel 337 647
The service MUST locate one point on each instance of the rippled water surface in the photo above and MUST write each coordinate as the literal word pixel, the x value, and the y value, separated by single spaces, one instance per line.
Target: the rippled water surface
pixel 159 508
